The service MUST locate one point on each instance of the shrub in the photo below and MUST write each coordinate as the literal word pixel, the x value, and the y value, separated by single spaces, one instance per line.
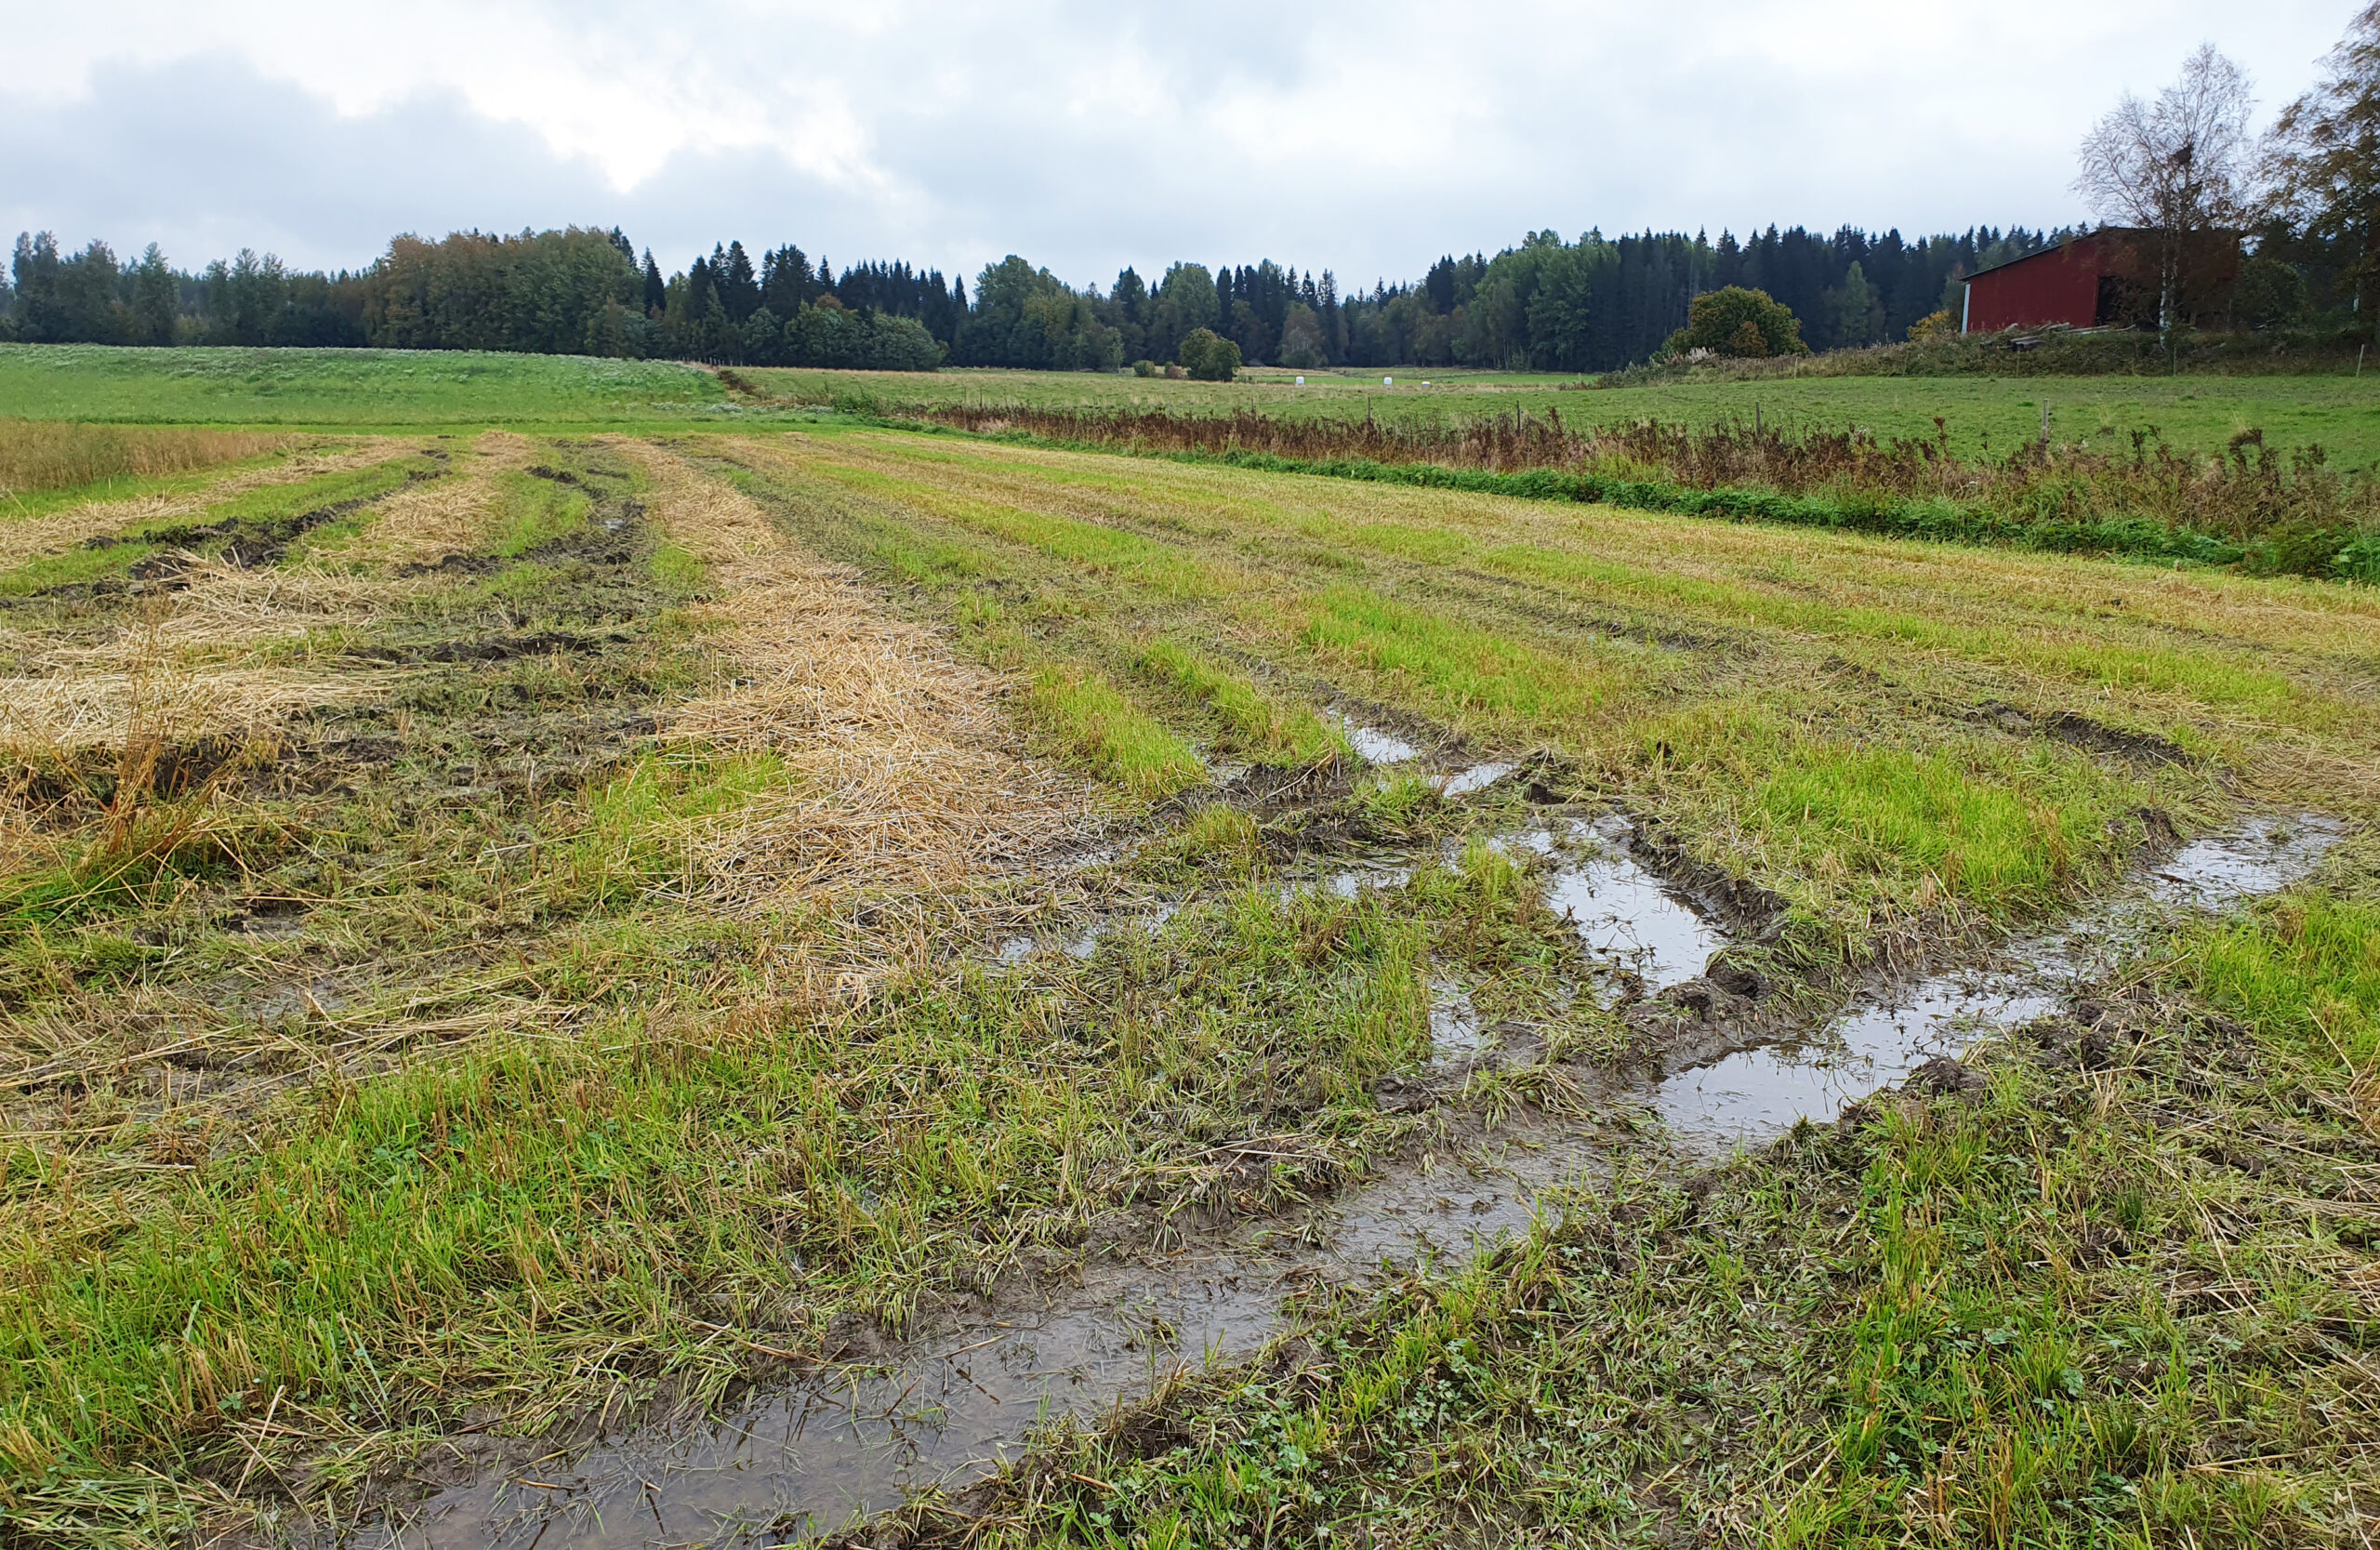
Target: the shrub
pixel 1207 356
pixel 2269 294
pixel 1145 368
pixel 1936 325
pixel 1741 323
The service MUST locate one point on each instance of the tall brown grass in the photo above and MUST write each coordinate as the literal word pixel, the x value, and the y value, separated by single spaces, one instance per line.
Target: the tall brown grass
pixel 2294 509
pixel 36 455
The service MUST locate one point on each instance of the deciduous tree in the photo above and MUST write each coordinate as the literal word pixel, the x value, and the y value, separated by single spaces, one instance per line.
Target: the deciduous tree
pixel 2323 158
pixel 2178 167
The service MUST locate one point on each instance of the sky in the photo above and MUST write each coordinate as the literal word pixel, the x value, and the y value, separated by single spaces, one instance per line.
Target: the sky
pixel 1367 139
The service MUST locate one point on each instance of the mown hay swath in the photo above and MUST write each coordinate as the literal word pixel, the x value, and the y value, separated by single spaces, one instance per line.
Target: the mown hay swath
pixel 29 538
pixel 903 771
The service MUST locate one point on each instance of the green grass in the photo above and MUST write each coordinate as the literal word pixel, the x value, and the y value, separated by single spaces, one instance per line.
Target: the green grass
pixel 536 511
pixel 2076 1307
pixel 363 389
pixel 1256 722
pixel 1085 714
pixel 543 1208
pixel 2196 413
pixel 1458 671
pixel 360 389
pixel 1995 837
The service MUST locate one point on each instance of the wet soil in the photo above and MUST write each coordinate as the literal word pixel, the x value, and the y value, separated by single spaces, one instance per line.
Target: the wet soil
pixel 1892 1031
pixel 857 1439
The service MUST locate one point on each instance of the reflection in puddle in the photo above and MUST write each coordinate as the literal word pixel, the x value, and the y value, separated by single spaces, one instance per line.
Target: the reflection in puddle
pixel 1084 945
pixel 2262 856
pixel 1623 913
pixel 1627 914
pixel 1755 1094
pixel 1476 779
pixel 1374 746
pixel 1454 1023
pixel 1349 881
pixel 810 1458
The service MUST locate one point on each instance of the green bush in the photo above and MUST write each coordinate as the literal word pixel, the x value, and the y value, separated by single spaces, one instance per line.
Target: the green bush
pixel 1207 356
pixel 1736 322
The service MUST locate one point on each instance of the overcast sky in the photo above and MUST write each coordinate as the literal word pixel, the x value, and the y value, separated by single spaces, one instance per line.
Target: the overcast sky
pixel 1367 138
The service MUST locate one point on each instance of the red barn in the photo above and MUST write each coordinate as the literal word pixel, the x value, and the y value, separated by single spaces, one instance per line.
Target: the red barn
pixel 2103 279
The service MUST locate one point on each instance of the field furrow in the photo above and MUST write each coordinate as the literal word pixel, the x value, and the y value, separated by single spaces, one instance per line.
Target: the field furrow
pixel 1605 1026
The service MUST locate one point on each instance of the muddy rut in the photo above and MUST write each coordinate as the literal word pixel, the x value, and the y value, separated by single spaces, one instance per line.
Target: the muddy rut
pixel 882 1423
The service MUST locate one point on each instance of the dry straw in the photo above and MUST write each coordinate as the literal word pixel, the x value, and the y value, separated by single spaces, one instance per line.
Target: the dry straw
pixel 29 538
pixel 189 669
pixel 57 455
pixel 903 770
pixel 423 524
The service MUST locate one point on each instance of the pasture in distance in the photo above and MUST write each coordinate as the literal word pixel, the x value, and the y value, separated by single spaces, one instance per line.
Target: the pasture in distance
pixel 529 913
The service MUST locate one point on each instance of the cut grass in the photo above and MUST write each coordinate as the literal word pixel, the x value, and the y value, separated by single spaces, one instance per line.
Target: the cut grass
pixel 1256 723
pixel 2073 1307
pixel 606 1007
pixel 268 516
pixel 1519 632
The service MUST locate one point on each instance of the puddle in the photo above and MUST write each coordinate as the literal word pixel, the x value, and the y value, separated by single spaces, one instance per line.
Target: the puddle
pixel 1084 945
pixel 806 1461
pixel 1756 1093
pixel 1627 914
pixel 1476 779
pixel 810 1458
pixel 1622 913
pixel 1349 881
pixel 2262 856
pixel 1454 1023
pixel 1760 1092
pixel 1374 746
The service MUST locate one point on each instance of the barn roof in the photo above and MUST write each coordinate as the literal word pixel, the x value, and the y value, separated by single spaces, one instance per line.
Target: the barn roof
pixel 2045 252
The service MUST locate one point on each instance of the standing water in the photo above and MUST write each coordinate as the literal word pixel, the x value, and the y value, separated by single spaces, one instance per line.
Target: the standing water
pixel 807 1459
pixel 1759 1092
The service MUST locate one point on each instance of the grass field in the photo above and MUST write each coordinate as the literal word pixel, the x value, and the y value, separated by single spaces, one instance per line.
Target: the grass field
pixel 395 390
pixel 346 388
pixel 508 934
pixel 2341 413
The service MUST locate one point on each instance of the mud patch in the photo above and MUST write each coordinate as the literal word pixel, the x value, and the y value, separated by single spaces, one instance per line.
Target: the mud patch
pixel 1890 1033
pixel 820 1454
pixel 2079 731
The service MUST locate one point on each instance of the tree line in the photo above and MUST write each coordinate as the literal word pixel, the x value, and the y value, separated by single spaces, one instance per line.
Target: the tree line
pixel 1548 303
pixel 2308 192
